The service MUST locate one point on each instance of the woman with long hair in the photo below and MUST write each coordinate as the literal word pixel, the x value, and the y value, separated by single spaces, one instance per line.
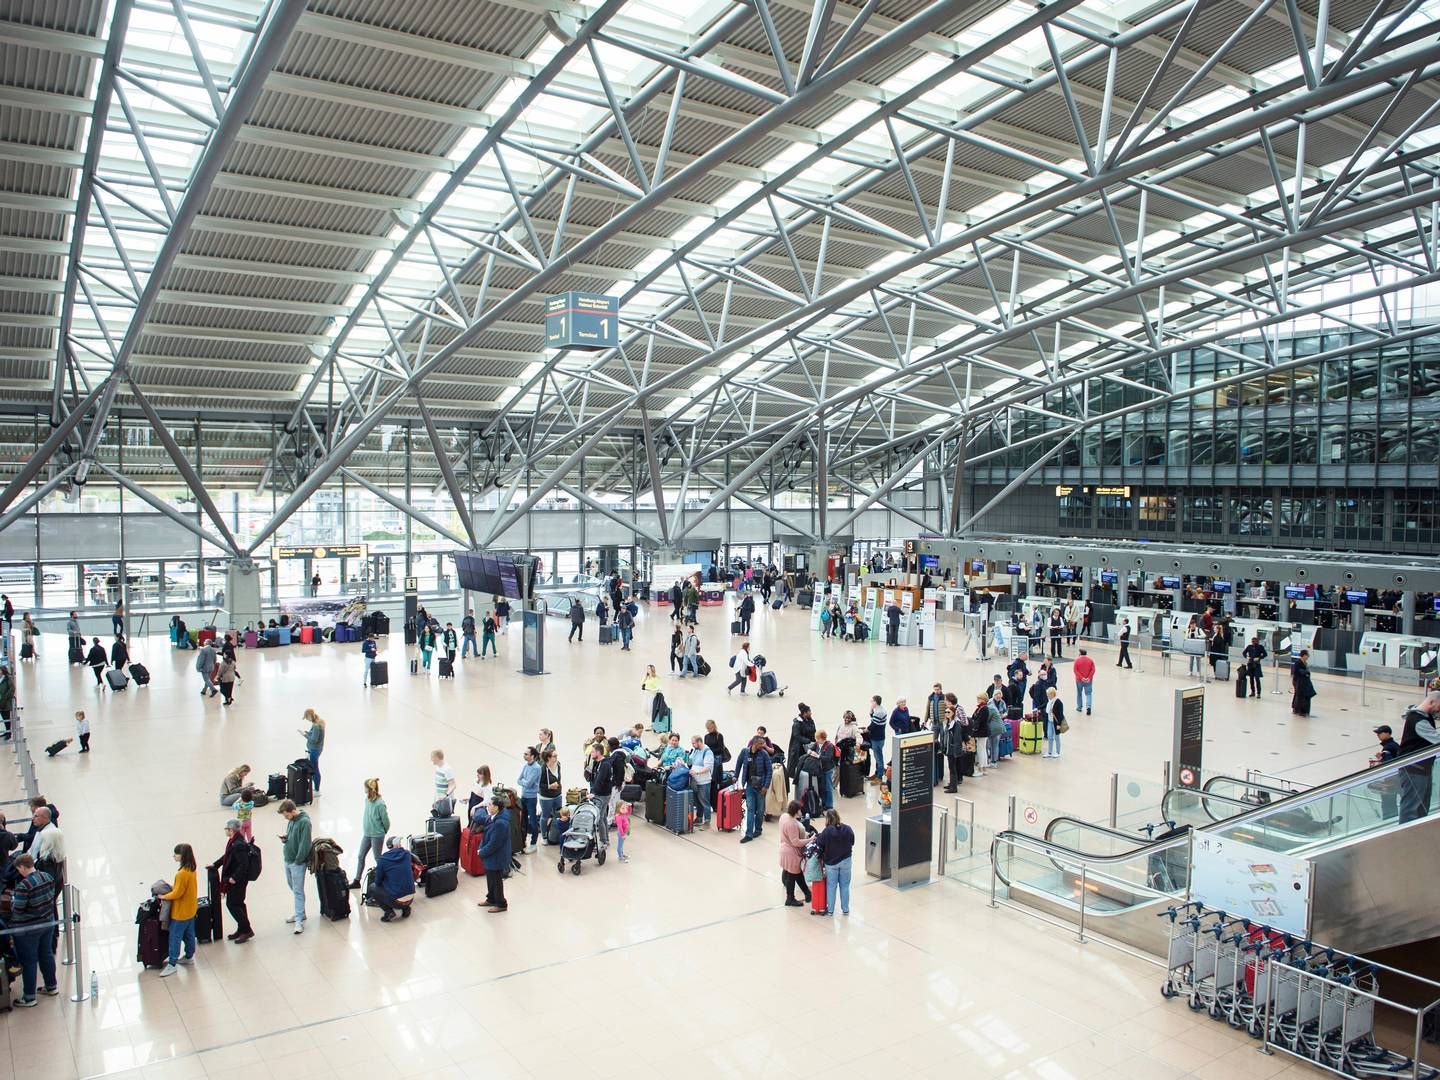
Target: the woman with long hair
pixel 184 900
pixel 314 746
pixel 374 824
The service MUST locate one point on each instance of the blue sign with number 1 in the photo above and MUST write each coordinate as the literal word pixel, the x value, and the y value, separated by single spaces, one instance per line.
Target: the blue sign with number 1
pixel 577 320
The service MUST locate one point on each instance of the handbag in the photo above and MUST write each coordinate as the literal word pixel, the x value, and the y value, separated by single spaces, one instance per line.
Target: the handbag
pixel 1062 726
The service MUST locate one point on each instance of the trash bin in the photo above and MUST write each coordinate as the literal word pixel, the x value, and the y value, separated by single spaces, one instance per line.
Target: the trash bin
pixel 877 846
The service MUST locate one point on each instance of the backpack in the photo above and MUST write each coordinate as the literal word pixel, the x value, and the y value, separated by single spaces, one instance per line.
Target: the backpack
pixel 255 862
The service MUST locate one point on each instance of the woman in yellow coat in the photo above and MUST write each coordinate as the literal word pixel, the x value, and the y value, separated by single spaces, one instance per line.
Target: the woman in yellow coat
pixel 184 903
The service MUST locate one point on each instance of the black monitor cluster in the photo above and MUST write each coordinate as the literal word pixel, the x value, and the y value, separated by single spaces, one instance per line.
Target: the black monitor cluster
pixel 495 575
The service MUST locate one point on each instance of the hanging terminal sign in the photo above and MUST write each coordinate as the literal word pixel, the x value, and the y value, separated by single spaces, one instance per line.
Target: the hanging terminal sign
pixel 327 551
pixel 1061 490
pixel 576 320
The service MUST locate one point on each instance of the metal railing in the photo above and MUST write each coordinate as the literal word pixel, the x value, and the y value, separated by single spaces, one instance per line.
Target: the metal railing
pixel 68 923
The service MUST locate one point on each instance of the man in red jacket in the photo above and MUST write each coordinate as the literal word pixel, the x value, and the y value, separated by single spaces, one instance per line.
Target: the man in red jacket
pixel 1084 682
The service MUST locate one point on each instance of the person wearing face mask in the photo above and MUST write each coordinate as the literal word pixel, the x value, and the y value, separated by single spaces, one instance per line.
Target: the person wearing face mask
pixel 184 900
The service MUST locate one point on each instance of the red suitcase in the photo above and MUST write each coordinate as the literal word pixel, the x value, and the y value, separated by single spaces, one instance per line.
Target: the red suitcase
pixel 817 895
pixel 731 811
pixel 252 639
pixel 470 860
pixel 208 634
pixel 307 635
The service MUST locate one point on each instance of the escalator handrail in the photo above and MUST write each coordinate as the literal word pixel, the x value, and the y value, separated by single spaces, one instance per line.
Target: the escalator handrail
pixel 1205 797
pixel 1050 849
pixel 1066 820
pixel 1321 791
pixel 1285 792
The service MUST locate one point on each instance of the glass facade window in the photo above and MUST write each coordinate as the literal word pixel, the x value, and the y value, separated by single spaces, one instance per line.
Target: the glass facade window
pixel 1157 513
pixel 1302 516
pixel 1075 511
pixel 1415 521
pixel 1359 515
pixel 1113 511
pixel 1202 513
pixel 1252 514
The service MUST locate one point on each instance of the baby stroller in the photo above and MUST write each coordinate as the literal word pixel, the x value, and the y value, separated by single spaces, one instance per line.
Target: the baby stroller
pixel 586 836
pixel 768 683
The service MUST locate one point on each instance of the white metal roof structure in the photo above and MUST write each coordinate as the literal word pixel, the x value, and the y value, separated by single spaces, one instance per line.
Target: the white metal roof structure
pixel 862 235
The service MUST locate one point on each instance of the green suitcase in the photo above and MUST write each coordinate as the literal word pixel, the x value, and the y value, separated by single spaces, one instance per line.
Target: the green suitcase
pixel 1032 736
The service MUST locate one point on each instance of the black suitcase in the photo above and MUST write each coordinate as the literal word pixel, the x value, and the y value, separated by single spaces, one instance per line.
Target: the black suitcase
pixel 141 674
pixel 448 829
pixel 77 655
pixel 775 604
pixel 632 793
pixel 297 783
pixel 852 782
pixel 655 802
pixel 275 786
pixel 116 679
pixel 205 921
pixel 1242 686
pixel 768 683
pixel 426 848
pixel 151 944
pixel 442 879
pixel 379 673
pixel 447 669
pixel 735 626
pixel 409 634
pixel 334 889
pixel 27 651
pixel 702 666
pixel 217 909
pixel 862 631
pixel 607 634
pixel 379 623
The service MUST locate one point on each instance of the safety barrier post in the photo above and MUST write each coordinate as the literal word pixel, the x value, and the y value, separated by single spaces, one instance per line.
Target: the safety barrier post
pixel 75 947
pixel 944 841
pixel 1114 800
pixel 1084 871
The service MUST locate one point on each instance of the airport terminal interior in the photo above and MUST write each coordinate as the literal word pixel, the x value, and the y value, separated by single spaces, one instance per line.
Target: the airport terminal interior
pixel 713 366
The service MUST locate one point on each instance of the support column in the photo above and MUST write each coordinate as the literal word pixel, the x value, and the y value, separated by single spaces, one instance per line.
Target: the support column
pixel 819 555
pixel 1407 612
pixel 242 592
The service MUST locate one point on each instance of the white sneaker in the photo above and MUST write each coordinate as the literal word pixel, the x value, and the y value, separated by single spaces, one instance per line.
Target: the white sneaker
pixel 300 927
pixel 167 971
pixel 529 849
pixel 186 960
pixel 292 919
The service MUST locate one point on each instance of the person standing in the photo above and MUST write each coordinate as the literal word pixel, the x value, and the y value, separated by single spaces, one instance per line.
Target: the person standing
pixel 117 617
pixel 444 778
pixel 1301 685
pixel 702 772
pixel 467 630
pixel 33 905
pixel 901 722
pixel 205 665
pixel 184 900
pixel 551 791
pixel 488 628
pixel 1057 629
pixel 451 642
pixel 836 843
pixel 295 856
pixel 314 746
pixel 892 624
pixel 226 679
pixel 743 665
pixel 7 697
pixel 77 641
pixel 747 611
pixel 577 620
pixel 315 585
pixel 495 853
pixel 753 768
pixel 529 784
pixel 236 866
pixel 625 621
pixel 369 651
pixel 935 721
pixel 875 738
pixel 1124 660
pixel 792 857
pixel 1084 669
pixel 7 610
pixel 1419 734
pixel 374 824
pixel 1054 722
pixel 802 734
pixel 720 753
pixel 1388 751
pixel 1254 654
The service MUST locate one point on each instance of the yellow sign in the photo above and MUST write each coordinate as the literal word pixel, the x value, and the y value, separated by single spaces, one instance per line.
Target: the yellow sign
pixel 339 551
pixel 1061 490
pixel 1121 491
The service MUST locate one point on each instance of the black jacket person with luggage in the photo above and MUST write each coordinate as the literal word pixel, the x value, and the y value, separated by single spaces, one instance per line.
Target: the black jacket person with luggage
pixel 236 868
pixel 802 734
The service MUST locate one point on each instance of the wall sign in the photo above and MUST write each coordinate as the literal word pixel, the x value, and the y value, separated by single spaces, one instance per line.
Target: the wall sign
pixel 1251 881
pixel 912 791
pixel 577 320
pixel 320 551
pixel 1189 736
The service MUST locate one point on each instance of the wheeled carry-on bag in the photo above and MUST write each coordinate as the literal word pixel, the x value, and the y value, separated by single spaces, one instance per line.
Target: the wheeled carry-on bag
pixel 334 894
pixel 442 879
pixel 426 848
pixel 380 673
pixel 77 655
pixel 1242 686
pixel 817 896
pixel 655 802
pixel 151 942
pixel 1222 668
pixel 470 860
pixel 768 683
pixel 116 679
pixel 447 669
pixel 735 626
pixel 852 780
pixel 275 786
pixel 297 783
pixel 731 811
pixel 448 829
pixel 217 909
pixel 1032 736
pixel 679 811
pixel 607 634
pixel 205 921
pixel 141 674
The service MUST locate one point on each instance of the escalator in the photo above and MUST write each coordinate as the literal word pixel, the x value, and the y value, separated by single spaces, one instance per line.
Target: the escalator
pixel 1374 877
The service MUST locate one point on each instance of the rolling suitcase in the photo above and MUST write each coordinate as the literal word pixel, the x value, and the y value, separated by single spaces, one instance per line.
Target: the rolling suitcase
pixel 1242 686
pixel 252 639
pixel 817 896
pixel 307 635
pixel 448 829
pixel 607 634
pixel 151 943
pixel 1222 668
pixel 679 811
pixel 702 666
pixel 775 605
pixel 470 860
pixel 768 683
pixel 735 626
pixel 852 780
pixel 1007 745
pixel 205 909
pixel 116 679
pixel 275 786
pixel 379 623
pixel 655 802
pixel 217 909
pixel 334 890
pixel 283 637
pixel 414 666
pixel 447 669
pixel 631 793
pixel 443 879
pixel 1032 736
pixel 297 783
pixel 141 674
pixel 731 811
pixel 426 848
pixel 379 673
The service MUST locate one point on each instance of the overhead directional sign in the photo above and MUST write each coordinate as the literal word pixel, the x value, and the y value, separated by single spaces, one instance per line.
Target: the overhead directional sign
pixel 576 320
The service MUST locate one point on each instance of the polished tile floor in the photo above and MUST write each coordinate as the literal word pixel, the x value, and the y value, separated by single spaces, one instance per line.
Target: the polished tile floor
pixel 681 959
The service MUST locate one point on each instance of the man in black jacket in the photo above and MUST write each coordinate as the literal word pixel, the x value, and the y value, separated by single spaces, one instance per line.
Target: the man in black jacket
pixel 617 758
pixel 1419 734
pixel 577 620
pixel 601 775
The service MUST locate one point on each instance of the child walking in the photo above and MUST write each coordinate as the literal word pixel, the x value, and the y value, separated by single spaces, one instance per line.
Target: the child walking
pixel 82 729
pixel 622 830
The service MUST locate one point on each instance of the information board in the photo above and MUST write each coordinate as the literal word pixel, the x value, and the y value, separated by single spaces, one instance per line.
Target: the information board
pixel 577 320
pixel 1249 881
pixel 912 797
pixel 1189 735
pixel 532 640
pixel 325 551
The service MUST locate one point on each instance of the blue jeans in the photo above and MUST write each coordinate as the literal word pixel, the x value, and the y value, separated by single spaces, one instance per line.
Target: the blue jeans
pixel 690 664
pixel 487 644
pixel 369 844
pixel 1052 738
pixel 837 879
pixel 530 804
pixel 365 679
pixel 549 811
pixel 754 810
pixel 468 646
pixel 877 751
pixel 36 950
pixel 314 769
pixel 181 930
pixel 1084 695
pixel 295 878
pixel 425 659
pixel 992 749
pixel 702 801
pixel 625 635
pixel 827 790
